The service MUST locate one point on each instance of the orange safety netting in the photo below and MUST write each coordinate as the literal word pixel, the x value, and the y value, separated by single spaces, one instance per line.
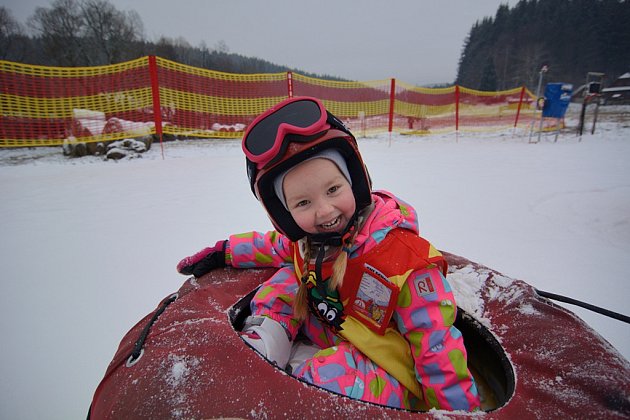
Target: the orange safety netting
pixel 42 106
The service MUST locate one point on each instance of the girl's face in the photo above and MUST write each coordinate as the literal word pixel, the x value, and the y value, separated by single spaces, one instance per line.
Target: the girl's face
pixel 319 197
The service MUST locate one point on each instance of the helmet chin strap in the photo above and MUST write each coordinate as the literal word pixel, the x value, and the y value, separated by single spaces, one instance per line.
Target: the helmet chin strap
pixel 336 239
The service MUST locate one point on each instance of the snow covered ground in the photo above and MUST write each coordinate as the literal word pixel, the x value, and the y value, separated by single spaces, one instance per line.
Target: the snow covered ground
pixel 88 247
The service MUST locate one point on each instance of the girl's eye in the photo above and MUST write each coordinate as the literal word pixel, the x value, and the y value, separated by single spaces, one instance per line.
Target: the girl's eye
pixel 301 203
pixel 333 189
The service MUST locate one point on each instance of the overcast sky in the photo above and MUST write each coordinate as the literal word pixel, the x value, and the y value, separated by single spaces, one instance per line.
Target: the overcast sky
pixel 415 41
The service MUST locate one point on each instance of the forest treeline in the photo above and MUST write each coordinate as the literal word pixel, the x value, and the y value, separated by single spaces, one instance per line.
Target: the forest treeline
pixel 571 37
pixel 73 33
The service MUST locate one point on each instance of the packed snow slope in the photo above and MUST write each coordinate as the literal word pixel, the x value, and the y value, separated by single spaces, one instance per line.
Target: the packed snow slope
pixel 88 247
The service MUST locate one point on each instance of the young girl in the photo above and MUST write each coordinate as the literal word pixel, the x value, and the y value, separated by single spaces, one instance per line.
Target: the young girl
pixel 360 304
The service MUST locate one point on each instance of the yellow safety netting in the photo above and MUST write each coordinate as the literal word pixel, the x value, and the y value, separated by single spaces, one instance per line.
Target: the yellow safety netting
pixel 153 96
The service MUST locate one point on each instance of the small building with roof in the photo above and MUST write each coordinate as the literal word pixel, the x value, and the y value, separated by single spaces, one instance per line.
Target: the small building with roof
pixel 618 92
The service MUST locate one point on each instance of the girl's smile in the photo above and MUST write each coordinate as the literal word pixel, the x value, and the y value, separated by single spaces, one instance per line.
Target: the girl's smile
pixel 319 197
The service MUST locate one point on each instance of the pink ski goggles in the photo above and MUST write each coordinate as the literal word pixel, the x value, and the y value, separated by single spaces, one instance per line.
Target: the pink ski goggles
pixel 269 134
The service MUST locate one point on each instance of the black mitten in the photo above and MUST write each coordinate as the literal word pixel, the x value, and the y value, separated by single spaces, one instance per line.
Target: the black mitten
pixel 204 261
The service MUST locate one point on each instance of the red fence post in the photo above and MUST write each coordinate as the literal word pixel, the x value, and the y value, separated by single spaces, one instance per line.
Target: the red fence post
pixel 155 93
pixel 456 107
pixel 392 98
pixel 520 103
pixel 290 84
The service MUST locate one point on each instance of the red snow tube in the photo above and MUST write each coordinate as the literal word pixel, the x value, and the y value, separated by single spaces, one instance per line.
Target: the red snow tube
pixel 530 357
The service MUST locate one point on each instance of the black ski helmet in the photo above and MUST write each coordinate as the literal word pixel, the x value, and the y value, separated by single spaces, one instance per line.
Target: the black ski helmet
pixel 288 136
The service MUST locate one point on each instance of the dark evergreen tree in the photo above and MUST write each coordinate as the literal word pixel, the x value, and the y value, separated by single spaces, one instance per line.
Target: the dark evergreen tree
pixel 488 77
pixel 571 37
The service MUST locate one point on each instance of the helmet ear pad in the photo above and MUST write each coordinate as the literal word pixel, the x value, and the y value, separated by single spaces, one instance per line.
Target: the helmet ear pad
pixel 345 145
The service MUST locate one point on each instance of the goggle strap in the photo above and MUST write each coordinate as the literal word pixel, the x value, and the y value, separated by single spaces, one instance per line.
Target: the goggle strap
pixel 335 122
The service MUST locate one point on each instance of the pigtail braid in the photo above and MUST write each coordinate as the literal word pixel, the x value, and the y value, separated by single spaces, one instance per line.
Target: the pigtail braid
pixel 300 305
pixel 341 263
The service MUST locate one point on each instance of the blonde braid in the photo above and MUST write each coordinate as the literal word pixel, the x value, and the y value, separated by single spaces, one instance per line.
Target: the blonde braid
pixel 338 271
pixel 341 263
pixel 300 305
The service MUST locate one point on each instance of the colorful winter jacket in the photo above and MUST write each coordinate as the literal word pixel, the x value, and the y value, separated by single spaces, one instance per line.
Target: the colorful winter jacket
pixel 423 316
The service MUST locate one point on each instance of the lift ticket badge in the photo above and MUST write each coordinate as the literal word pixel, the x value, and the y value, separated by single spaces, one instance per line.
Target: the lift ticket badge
pixel 375 299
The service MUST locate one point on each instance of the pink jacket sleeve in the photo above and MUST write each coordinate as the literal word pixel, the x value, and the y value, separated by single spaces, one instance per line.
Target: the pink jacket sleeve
pixel 425 315
pixel 255 249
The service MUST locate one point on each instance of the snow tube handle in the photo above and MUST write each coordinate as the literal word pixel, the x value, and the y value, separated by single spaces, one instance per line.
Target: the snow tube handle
pixel 138 350
pixel 603 311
